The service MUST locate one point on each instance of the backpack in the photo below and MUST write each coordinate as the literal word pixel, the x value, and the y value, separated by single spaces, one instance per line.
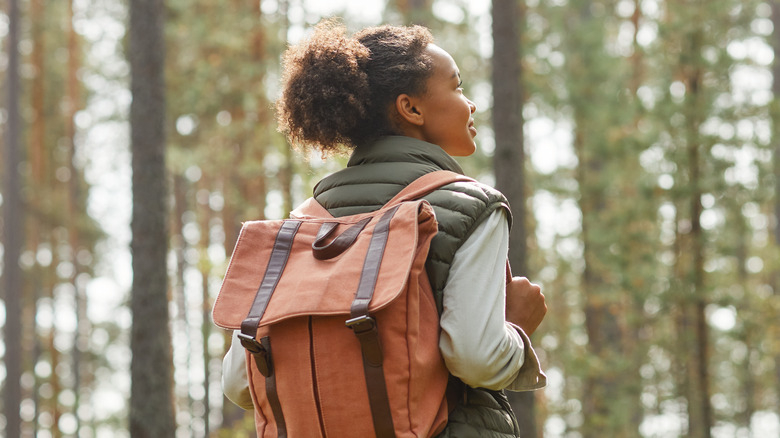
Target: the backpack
pixel 339 321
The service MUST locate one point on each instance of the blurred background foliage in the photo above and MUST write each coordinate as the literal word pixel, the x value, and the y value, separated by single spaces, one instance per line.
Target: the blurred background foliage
pixel 650 129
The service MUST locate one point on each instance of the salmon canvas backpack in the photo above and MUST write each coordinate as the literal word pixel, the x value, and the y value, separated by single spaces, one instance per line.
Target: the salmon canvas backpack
pixel 339 321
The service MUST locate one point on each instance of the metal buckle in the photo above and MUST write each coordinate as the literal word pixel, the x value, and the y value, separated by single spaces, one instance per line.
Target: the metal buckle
pixel 250 343
pixel 259 352
pixel 361 324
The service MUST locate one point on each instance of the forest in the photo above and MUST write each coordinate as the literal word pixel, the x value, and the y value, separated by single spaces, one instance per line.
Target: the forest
pixel 638 142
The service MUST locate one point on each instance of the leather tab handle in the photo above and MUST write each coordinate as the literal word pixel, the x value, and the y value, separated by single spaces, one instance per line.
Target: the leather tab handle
pixel 340 243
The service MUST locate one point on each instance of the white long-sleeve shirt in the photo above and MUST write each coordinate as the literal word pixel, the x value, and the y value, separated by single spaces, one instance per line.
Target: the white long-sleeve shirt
pixel 478 345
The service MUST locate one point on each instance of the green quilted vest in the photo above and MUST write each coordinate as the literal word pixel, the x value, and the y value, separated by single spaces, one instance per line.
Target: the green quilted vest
pixel 377 172
pixel 374 174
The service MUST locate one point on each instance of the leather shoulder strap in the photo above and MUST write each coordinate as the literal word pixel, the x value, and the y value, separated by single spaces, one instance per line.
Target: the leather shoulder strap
pixel 415 190
pixel 426 184
pixel 310 208
pixel 430 182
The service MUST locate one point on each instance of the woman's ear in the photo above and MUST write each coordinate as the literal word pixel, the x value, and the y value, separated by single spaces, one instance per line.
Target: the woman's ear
pixel 408 111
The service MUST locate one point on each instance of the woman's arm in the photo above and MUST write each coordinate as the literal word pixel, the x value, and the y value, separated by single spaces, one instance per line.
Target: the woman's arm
pixel 235 384
pixel 479 346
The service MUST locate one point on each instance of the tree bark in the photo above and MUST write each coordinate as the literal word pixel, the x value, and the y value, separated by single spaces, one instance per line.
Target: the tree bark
pixel 775 114
pixel 509 158
pixel 606 399
pixel 151 397
pixel 699 410
pixel 181 321
pixel 12 233
pixel 81 335
pixel 205 268
pixel 37 161
pixel 415 11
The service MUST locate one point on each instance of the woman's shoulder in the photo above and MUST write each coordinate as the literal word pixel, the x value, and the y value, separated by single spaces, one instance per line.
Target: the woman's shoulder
pixel 366 187
pixel 470 195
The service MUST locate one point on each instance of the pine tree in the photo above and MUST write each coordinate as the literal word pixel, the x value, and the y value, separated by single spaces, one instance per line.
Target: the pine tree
pixel 225 158
pixel 775 117
pixel 151 398
pixel 509 157
pixel 12 232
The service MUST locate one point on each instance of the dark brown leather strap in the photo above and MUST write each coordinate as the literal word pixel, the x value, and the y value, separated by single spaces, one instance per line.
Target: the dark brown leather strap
pixel 340 243
pixel 364 327
pixel 272 394
pixel 261 350
pixel 376 250
pixel 273 272
pixel 362 324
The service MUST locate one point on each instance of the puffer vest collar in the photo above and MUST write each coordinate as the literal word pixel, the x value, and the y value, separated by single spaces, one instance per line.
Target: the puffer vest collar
pixel 403 149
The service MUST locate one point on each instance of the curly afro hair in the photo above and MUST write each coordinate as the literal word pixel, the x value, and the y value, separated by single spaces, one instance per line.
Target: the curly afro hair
pixel 339 91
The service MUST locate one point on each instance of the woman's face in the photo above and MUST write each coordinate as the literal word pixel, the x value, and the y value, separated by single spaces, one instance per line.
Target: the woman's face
pixel 447 113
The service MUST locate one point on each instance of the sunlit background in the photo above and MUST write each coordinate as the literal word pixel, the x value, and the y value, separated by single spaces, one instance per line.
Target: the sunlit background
pixel 629 99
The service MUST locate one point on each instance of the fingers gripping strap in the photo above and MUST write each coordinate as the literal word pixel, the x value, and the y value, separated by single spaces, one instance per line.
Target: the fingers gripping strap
pixel 261 350
pixel 364 327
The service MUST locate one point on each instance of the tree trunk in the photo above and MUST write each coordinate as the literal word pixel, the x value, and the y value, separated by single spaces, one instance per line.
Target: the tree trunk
pixel 602 389
pixel 205 268
pixel 509 158
pixel 181 323
pixel 288 169
pixel 38 182
pixel 750 335
pixel 151 397
pixel 699 411
pixel 81 335
pixel 37 146
pixel 775 117
pixel 12 233
pixel 602 173
pixel 414 11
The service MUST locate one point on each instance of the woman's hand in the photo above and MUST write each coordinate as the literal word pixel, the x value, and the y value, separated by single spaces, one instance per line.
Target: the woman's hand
pixel 525 305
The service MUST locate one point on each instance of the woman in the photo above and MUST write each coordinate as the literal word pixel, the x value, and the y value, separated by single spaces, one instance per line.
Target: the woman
pixel 393 99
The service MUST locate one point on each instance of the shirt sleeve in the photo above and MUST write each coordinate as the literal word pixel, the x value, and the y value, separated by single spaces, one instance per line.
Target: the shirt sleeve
pixel 478 345
pixel 235 383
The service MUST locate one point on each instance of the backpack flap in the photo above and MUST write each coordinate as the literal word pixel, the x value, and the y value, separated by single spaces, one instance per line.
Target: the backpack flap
pixel 325 285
